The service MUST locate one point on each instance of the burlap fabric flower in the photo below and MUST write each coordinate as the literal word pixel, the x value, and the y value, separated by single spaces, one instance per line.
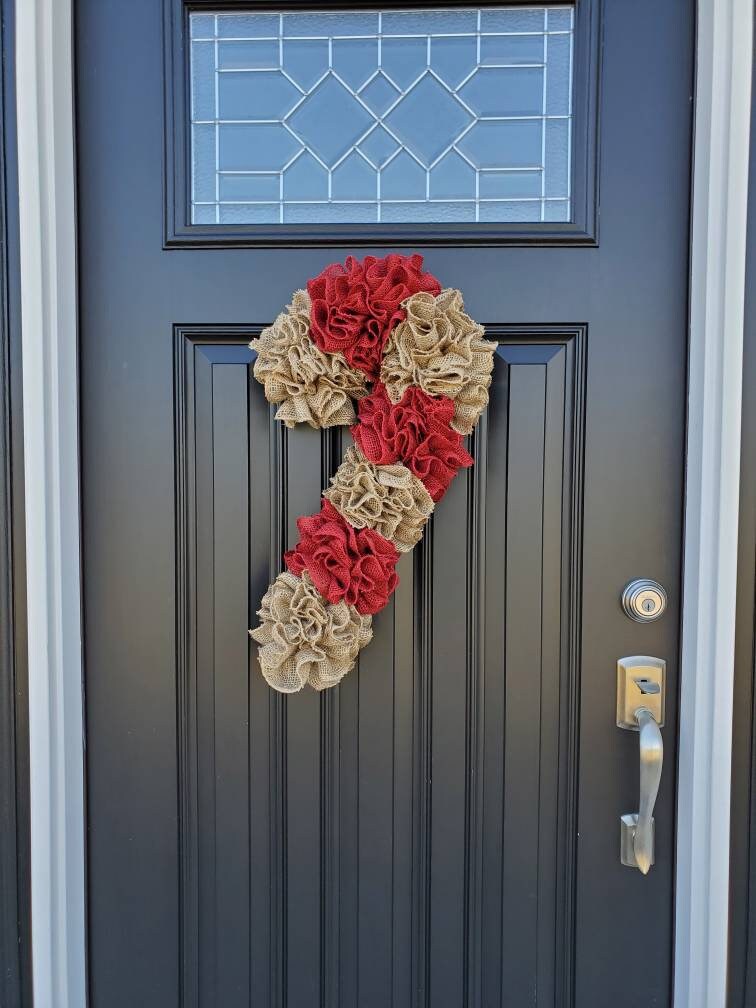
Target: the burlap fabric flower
pixel 416 432
pixel 305 639
pixel 311 386
pixel 356 565
pixel 386 498
pixel 440 349
pixel 356 305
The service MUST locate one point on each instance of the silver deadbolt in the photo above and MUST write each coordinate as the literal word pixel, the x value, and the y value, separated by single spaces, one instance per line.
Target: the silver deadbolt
pixel 644 600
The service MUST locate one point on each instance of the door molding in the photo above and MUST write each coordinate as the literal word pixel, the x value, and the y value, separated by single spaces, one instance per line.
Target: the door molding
pixel 45 102
pixel 47 219
pixel 715 363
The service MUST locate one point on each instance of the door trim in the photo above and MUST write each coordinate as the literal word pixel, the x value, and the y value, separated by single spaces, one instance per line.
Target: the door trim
pixel 717 286
pixel 47 207
pixel 47 216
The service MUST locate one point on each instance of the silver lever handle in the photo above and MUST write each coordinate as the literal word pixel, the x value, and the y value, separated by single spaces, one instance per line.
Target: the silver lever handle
pixel 640 707
pixel 651 757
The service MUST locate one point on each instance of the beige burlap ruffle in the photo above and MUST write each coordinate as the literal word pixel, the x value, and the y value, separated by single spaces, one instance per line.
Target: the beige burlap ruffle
pixel 441 349
pixel 312 386
pixel 305 639
pixel 387 498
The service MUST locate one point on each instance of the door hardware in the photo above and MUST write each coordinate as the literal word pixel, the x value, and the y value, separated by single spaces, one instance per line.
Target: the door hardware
pixel 644 600
pixel 640 707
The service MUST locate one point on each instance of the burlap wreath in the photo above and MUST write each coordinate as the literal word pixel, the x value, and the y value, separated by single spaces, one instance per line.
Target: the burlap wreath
pixel 383 333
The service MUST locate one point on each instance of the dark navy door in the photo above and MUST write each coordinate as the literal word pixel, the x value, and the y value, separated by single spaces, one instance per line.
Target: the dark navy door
pixel 443 828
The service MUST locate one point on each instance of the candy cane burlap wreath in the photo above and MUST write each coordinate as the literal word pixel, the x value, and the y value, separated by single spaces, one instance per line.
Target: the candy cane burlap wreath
pixel 383 333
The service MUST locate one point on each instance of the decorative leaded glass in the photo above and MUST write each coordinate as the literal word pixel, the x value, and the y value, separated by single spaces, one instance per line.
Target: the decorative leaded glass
pixel 446 115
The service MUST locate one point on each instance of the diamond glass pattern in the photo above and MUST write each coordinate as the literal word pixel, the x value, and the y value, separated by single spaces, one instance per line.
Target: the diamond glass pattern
pixel 379 94
pixel 329 121
pixel 426 117
pixel 451 115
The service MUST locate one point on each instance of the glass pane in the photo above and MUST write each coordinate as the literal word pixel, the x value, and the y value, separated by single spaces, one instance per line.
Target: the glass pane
pixel 559 19
pixel 246 26
pixel 511 184
pixel 242 188
pixel 508 211
pixel 453 115
pixel 203 81
pixel 203 26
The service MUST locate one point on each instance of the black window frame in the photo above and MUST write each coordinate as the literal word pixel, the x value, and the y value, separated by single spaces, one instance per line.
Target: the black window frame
pixel 180 232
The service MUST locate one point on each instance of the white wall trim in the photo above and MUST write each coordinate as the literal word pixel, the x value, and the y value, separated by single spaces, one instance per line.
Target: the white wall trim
pixel 720 199
pixel 44 82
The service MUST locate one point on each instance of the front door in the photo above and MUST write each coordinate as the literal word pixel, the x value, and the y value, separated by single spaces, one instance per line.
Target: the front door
pixel 442 829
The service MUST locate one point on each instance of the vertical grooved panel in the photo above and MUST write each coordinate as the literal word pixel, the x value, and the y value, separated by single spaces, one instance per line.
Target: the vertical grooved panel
pixel 262 454
pixel 205 684
pixel 450 718
pixel 494 685
pixel 554 668
pixel 230 702
pixel 374 813
pixel 303 762
pixel 523 673
pixel 405 669
pixel 404 839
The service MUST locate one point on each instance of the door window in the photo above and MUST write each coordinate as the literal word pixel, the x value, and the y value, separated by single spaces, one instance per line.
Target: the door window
pixel 435 116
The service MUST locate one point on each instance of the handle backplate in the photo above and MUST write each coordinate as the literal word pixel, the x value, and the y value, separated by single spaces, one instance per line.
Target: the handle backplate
pixel 641 682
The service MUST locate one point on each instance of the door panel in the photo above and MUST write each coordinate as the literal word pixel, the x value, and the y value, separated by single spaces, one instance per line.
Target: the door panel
pixel 357 839
pixel 442 828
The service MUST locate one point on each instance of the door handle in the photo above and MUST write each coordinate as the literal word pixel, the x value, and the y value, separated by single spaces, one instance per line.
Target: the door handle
pixel 640 829
pixel 640 707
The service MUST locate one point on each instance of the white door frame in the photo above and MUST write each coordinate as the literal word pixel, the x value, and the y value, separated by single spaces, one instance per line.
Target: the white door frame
pixel 47 223
pixel 715 373
pixel 46 171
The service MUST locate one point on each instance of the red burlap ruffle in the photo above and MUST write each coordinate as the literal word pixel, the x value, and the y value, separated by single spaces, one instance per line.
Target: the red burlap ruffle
pixel 356 565
pixel 356 305
pixel 415 432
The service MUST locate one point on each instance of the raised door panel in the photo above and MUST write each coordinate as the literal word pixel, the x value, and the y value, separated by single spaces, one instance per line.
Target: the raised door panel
pixel 404 839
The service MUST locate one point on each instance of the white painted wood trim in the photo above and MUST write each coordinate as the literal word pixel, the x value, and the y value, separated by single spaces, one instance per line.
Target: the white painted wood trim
pixel 720 198
pixel 44 82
